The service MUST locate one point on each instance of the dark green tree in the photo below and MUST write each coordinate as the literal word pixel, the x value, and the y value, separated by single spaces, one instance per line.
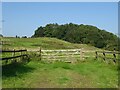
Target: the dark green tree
pixel 84 34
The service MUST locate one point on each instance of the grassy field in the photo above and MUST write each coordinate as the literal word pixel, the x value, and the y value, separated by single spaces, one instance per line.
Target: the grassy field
pixel 89 73
pixel 43 42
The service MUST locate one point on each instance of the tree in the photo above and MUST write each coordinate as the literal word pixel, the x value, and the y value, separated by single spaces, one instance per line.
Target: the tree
pixel 1 35
pixel 39 32
pixel 24 36
pixel 86 34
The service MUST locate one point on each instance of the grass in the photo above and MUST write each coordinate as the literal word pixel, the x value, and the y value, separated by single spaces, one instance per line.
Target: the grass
pixel 88 73
pixel 38 74
pixel 43 42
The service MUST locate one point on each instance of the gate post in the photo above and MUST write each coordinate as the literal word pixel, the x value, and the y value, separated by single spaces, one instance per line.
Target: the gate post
pixel 103 55
pixel 96 55
pixel 114 60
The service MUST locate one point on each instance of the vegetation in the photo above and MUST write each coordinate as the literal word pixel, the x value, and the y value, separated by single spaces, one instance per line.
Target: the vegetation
pixel 87 73
pixel 43 42
pixel 39 74
pixel 82 34
pixel 1 35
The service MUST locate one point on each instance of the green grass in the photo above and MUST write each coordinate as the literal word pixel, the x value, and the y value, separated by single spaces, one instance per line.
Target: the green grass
pixel 43 42
pixel 88 73
pixel 37 74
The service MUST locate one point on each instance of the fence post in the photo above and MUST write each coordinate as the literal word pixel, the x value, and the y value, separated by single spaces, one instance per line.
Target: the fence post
pixel 40 53
pixel 21 51
pixel 26 51
pixel 13 55
pixel 114 60
pixel 21 55
pixel 96 54
pixel 103 55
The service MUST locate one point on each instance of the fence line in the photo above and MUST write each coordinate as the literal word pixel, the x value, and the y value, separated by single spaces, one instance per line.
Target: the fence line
pixel 66 50
pixel 13 54
pixel 6 58
pixel 114 58
pixel 62 50
pixel 66 54
pixel 3 51
pixel 73 53
pixel 57 54
pixel 108 52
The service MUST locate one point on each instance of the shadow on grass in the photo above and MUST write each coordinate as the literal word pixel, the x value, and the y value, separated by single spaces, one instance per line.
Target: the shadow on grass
pixel 16 69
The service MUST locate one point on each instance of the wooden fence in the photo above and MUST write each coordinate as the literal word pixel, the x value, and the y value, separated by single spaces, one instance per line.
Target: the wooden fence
pixel 13 55
pixel 70 55
pixel 57 55
pixel 105 57
pixel 66 55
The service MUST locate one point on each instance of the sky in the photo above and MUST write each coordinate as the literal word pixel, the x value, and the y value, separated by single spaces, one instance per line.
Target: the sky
pixel 23 18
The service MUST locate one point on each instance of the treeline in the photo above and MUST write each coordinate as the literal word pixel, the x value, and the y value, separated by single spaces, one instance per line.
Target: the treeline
pixel 83 34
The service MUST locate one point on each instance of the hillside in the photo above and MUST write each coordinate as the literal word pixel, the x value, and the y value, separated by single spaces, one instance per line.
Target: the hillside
pixel 87 72
pixel 81 34
pixel 43 42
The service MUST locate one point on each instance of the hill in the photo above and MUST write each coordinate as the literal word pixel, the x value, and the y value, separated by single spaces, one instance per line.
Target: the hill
pixel 43 74
pixel 81 34
pixel 43 42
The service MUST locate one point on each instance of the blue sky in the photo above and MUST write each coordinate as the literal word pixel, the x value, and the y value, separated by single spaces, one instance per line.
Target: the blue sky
pixel 23 18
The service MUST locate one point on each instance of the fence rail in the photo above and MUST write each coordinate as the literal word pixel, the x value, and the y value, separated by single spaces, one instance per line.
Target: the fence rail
pixel 13 54
pixel 108 52
pixel 71 55
pixel 63 54
pixel 3 51
pixel 113 57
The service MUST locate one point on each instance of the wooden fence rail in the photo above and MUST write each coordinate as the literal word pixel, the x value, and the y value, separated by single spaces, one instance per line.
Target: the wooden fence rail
pixel 114 57
pixel 67 55
pixel 3 51
pixel 6 58
pixel 13 54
